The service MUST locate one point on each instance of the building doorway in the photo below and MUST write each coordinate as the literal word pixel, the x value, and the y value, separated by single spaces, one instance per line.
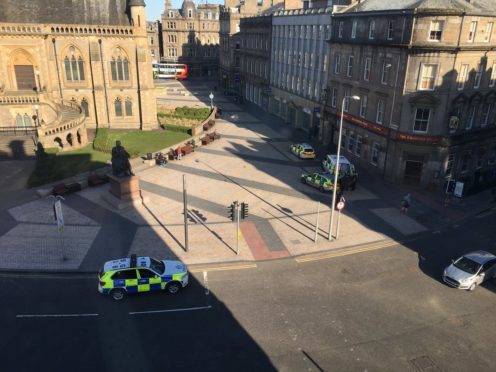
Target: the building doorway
pixel 292 116
pixel 25 77
pixel 413 172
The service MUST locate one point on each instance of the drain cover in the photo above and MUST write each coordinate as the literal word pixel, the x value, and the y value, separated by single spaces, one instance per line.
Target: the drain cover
pixel 425 363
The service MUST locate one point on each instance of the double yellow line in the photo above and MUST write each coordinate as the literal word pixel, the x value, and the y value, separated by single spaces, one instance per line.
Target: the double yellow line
pixel 200 268
pixel 346 252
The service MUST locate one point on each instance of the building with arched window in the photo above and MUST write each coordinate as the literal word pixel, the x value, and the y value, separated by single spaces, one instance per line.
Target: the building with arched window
pixel 64 72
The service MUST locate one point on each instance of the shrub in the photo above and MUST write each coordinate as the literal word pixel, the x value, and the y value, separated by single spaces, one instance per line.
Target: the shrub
pixel 176 128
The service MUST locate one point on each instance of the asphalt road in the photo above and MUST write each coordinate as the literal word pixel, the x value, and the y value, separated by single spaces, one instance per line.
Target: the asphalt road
pixel 385 310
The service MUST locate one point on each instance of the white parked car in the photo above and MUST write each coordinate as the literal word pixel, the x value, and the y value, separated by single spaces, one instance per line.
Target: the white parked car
pixel 470 270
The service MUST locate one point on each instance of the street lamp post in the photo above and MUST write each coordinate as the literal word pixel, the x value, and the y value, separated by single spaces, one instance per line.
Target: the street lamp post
pixel 388 139
pixel 37 119
pixel 336 168
pixel 211 96
pixel 38 78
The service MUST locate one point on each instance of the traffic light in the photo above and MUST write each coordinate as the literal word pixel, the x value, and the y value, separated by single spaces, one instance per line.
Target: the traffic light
pixel 244 210
pixel 231 212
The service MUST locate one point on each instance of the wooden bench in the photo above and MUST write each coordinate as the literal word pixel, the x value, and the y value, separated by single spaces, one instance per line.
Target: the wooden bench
pixel 95 179
pixel 60 189
pixel 208 125
pixel 205 140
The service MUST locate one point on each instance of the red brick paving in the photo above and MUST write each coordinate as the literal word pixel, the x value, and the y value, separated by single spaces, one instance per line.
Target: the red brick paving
pixel 257 245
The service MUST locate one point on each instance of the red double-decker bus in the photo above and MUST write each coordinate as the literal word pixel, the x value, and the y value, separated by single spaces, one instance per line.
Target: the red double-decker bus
pixel 170 71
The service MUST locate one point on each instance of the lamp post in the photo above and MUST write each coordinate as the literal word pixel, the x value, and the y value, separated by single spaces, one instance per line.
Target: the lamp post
pixel 336 167
pixel 211 96
pixel 37 119
pixel 37 72
pixel 388 138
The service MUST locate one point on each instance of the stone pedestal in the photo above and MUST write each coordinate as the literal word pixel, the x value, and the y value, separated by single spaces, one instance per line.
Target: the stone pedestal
pixel 124 192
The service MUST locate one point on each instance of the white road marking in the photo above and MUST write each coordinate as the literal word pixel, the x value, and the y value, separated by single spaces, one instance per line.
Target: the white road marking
pixel 53 315
pixel 205 283
pixel 170 311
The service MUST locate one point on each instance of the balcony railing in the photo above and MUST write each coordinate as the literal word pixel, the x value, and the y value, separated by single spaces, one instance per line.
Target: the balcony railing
pixel 17 131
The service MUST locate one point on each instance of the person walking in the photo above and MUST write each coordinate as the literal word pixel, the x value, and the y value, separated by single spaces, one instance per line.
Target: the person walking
pixel 405 203
pixel 179 153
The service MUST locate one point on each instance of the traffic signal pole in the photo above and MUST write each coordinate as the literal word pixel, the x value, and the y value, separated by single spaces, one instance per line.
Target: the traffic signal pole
pixel 237 227
pixel 185 201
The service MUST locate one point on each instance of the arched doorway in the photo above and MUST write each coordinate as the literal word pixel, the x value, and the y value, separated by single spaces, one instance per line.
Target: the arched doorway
pixel 69 139
pixel 23 70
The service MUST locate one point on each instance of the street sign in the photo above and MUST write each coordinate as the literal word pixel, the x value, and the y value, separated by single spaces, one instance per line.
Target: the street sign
pixel 458 189
pixel 341 203
pixel 58 215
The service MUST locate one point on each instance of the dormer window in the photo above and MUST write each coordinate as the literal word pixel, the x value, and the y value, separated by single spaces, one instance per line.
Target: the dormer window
pixel 170 14
pixel 190 13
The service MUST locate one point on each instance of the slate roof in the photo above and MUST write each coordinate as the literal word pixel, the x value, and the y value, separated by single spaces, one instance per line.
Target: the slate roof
pixel 92 12
pixel 473 5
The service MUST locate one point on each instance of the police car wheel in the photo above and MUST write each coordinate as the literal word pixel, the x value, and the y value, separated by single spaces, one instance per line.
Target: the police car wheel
pixel 303 180
pixel 173 287
pixel 118 294
pixel 321 189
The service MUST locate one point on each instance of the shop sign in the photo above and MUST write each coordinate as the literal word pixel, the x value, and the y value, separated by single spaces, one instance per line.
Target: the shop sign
pixel 366 124
pixel 418 138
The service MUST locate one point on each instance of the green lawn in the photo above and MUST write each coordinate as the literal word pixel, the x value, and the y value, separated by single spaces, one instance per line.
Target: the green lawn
pixel 138 143
pixel 53 165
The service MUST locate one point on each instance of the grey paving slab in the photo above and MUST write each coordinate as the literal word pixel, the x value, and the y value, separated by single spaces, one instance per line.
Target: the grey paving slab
pixel 41 210
pixel 7 222
pixel 114 238
pixel 42 247
pixel 399 220
pixel 269 235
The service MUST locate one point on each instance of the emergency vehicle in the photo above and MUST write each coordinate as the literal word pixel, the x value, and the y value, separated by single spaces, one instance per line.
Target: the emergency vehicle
pixel 141 274
pixel 346 168
pixel 303 150
pixel 321 181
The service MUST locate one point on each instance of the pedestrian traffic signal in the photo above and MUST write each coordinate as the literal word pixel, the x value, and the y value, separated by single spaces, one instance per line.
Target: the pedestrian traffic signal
pixel 244 210
pixel 231 212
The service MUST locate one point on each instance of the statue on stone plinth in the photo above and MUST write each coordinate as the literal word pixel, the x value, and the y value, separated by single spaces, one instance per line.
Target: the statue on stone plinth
pixel 120 161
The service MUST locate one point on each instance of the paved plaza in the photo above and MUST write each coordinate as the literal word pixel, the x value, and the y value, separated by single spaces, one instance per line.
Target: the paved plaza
pixel 250 163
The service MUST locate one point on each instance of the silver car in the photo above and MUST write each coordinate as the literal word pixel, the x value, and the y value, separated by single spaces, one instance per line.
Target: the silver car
pixel 470 270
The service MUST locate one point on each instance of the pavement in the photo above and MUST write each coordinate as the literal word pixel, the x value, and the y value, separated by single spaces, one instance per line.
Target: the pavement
pixel 250 163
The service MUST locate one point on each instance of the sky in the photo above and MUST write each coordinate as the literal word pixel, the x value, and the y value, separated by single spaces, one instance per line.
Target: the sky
pixel 155 8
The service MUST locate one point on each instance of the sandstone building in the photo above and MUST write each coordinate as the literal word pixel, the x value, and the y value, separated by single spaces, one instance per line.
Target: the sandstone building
pixel 425 72
pixel 154 31
pixel 191 36
pixel 69 65
pixel 255 52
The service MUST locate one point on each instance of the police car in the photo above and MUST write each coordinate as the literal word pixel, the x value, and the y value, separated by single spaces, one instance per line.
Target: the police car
pixel 321 181
pixel 141 274
pixel 303 150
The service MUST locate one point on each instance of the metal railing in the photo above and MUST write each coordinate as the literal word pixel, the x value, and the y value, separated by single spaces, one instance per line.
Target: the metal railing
pixel 17 131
